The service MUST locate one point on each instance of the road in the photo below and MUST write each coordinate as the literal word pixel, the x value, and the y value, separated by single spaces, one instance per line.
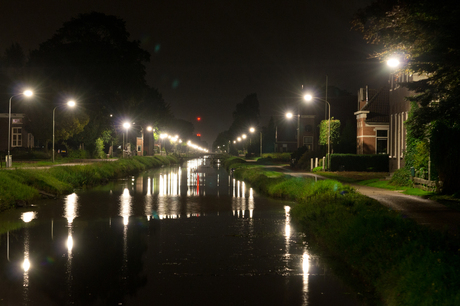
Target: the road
pixel 424 211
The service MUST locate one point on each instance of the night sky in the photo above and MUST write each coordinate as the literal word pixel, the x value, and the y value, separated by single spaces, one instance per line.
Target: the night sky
pixel 207 56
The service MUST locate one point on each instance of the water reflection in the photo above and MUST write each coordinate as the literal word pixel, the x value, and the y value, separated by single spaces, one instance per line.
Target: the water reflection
pixel 169 226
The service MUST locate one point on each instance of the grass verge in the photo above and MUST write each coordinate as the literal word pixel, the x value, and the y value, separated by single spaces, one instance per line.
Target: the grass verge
pixel 406 264
pixel 21 186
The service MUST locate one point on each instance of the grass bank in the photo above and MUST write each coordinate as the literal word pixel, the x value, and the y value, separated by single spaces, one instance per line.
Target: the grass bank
pixel 20 186
pixel 406 264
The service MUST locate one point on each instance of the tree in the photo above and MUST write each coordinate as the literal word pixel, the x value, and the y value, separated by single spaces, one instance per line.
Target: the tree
pixel 92 59
pixel 426 35
pixel 245 115
pixel 334 132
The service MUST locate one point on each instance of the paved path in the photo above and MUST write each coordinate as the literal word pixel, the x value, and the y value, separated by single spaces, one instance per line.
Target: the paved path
pixel 424 211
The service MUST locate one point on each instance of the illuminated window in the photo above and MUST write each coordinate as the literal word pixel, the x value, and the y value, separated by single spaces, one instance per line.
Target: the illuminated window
pixel 16 121
pixel 17 137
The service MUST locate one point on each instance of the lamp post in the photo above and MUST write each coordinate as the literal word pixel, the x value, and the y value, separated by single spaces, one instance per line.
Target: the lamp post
pixel 70 104
pixel 9 160
pixel 252 130
pixel 126 125
pixel 151 129
pixel 309 98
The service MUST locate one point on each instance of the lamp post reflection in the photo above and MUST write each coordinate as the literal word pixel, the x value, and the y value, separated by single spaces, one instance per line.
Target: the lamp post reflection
pixel 26 217
pixel 70 213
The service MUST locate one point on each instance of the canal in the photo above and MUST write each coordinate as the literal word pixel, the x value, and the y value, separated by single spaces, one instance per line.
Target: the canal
pixel 189 235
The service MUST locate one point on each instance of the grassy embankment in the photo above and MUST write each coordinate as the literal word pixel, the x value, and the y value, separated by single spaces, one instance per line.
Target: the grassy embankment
pixel 406 264
pixel 21 186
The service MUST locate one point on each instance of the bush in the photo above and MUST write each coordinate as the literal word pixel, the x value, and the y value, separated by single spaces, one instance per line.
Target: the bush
pixel 355 162
pixel 401 177
pixel 78 154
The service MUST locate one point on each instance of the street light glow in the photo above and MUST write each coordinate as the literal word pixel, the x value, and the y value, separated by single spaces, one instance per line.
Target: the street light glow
pixel 252 130
pixel 71 103
pixel 393 62
pixel 28 93
pixel 289 115
pixel 126 125
pixel 244 136
pixel 308 97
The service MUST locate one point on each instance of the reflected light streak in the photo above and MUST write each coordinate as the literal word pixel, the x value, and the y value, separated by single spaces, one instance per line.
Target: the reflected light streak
pixel 28 216
pixel 305 275
pixel 70 207
pixel 125 206
pixel 69 243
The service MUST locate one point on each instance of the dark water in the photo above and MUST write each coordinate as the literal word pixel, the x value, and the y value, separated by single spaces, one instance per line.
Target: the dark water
pixel 173 236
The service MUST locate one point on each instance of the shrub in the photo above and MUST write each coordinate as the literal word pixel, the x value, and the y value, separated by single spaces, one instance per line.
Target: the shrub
pixel 355 162
pixel 401 177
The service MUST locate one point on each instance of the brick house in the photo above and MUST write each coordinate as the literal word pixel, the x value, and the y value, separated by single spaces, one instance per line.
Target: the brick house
pixel 399 109
pixel 373 121
pixel 20 138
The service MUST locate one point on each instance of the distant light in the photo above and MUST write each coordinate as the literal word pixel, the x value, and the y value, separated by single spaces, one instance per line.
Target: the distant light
pixel 199 135
pixel 252 130
pixel 126 125
pixel 289 115
pixel 26 264
pixel 198 118
pixel 71 103
pixel 393 62
pixel 239 139
pixel 244 136
pixel 307 97
pixel 149 128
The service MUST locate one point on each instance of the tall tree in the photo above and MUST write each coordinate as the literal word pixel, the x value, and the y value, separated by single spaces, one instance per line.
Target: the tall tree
pixel 245 115
pixel 92 59
pixel 426 35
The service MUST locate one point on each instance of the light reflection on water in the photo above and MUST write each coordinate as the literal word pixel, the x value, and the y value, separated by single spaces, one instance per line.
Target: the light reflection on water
pixel 259 242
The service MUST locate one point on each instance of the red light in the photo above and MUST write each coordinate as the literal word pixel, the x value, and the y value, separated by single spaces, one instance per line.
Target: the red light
pixel 199 135
pixel 198 118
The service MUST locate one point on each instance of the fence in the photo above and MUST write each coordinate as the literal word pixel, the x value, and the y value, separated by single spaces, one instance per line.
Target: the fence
pixel 422 179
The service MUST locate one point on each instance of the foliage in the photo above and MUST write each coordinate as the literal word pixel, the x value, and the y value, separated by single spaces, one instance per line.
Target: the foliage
pixel 78 154
pixel 401 177
pixel 278 157
pixel 355 162
pixel 324 131
pixel 99 149
pixel 406 263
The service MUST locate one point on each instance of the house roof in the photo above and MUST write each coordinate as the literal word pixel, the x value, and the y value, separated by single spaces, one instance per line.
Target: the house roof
pixel 378 106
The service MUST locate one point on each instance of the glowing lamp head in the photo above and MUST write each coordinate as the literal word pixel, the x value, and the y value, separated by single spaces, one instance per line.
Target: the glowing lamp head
pixel 126 125
pixel 308 97
pixel 149 128
pixel 244 136
pixel 28 93
pixel 393 62
pixel 71 103
pixel 289 115
pixel 252 130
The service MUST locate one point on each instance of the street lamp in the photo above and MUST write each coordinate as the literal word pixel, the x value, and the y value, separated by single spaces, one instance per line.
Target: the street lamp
pixel 252 130
pixel 126 125
pixel 9 160
pixel 309 98
pixel 70 104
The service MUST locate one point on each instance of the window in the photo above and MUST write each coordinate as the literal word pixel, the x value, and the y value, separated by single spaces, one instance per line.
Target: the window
pixel 308 142
pixel 382 142
pixel 16 120
pixel 17 137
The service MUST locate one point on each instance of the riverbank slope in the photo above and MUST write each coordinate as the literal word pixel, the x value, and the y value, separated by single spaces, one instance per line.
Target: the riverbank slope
pixel 21 186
